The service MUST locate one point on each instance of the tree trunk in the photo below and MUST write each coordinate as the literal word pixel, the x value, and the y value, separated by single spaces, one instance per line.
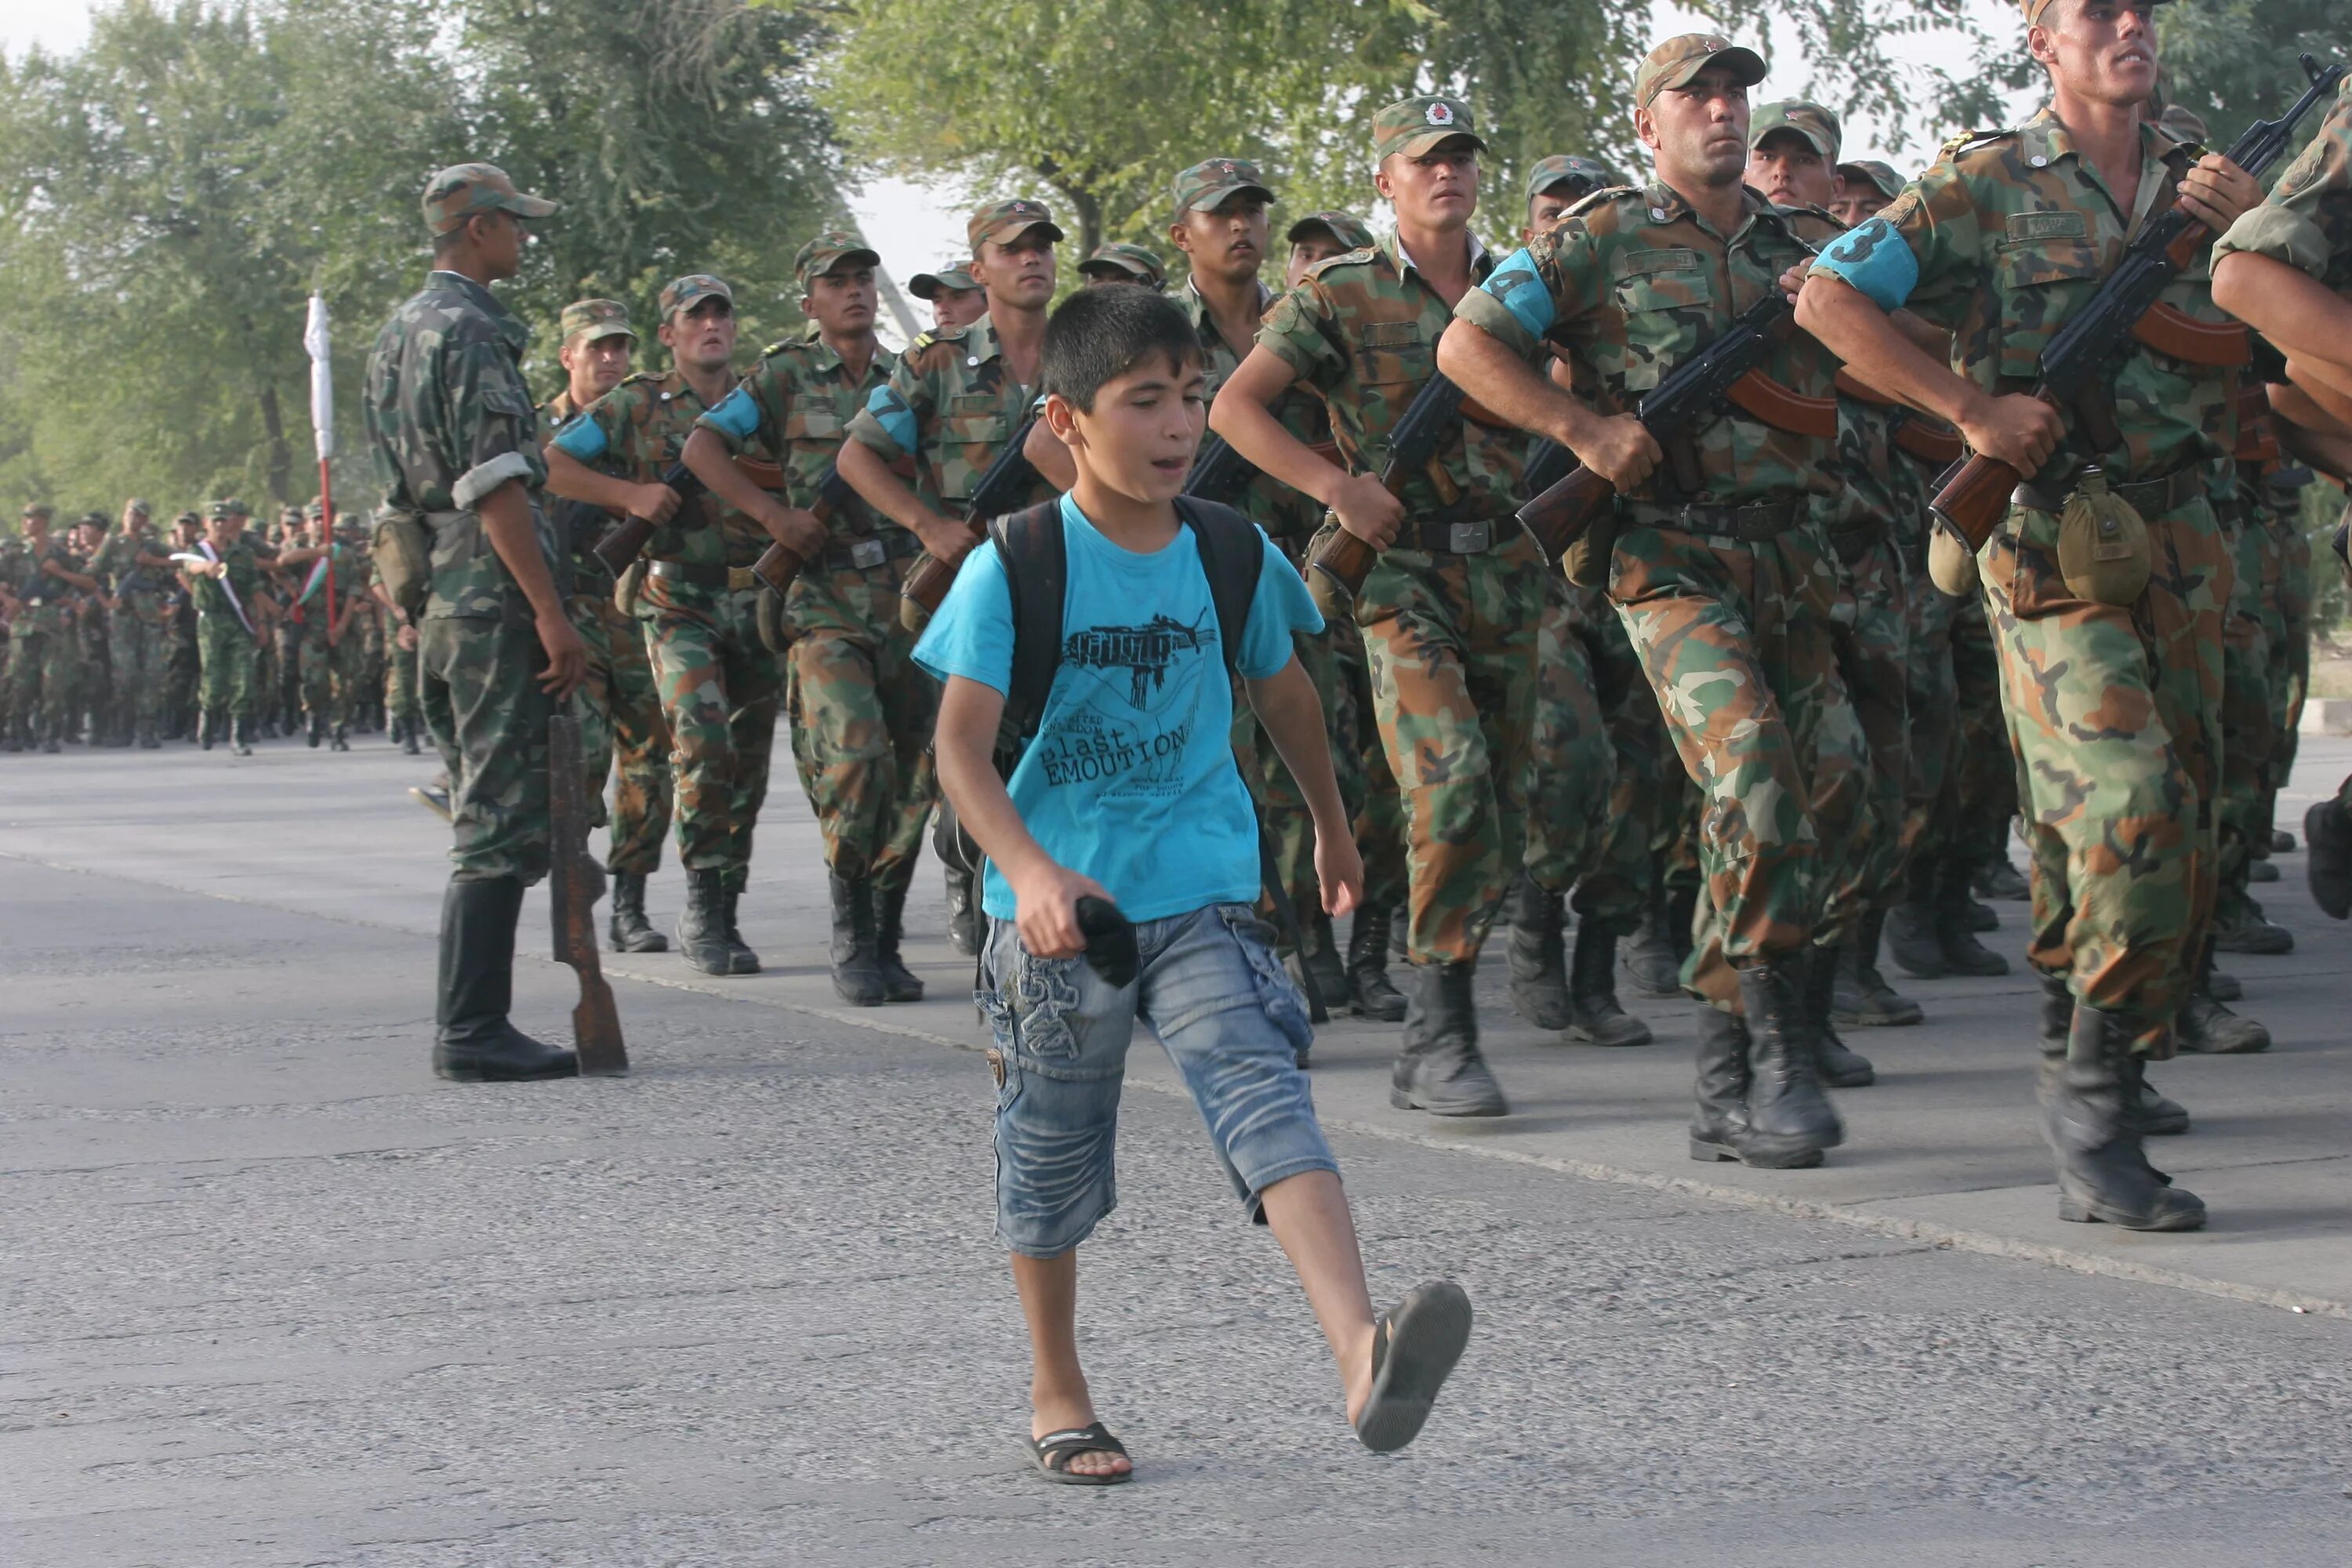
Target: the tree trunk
pixel 282 460
pixel 1086 206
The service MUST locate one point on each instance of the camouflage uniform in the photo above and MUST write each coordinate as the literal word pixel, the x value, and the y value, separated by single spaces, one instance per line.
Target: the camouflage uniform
pixel 229 636
pixel 139 628
pixel 44 652
pixel 331 671
pixel 93 699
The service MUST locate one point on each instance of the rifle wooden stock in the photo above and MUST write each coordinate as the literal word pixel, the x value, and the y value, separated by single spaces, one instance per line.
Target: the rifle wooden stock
pixel 2257 438
pixel 777 566
pixel 574 881
pixel 625 540
pixel 1769 403
pixel 1345 561
pixel 1558 517
pixel 1973 497
pixel 2184 337
pixel 1930 443
pixel 926 584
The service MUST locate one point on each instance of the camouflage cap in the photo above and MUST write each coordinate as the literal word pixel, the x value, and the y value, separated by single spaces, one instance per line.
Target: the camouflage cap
pixel 41 510
pixel 185 517
pixel 1005 222
pixel 1818 126
pixel 1350 231
pixel 230 507
pixel 137 505
pixel 1880 177
pixel 315 511
pixel 1208 184
pixel 2034 8
pixel 949 277
pixel 587 321
pixel 1418 124
pixel 685 293
pixel 1589 173
pixel 1683 56
pixel 97 520
pixel 1127 262
pixel 460 191
pixel 831 249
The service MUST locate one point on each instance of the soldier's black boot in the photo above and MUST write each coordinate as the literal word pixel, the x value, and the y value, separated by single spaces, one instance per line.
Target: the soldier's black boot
pixel 340 740
pixel 741 959
pixel 1997 879
pixel 1963 953
pixel 1318 954
pixel 1441 1070
pixel 49 742
pixel 2091 1093
pixel 963 913
pixel 1864 1000
pixel 1367 967
pixel 702 924
pixel 408 737
pixel 1718 1129
pixel 318 731
pixel 2327 833
pixel 1594 1014
pixel 1655 953
pixel 148 740
pixel 2223 986
pixel 472 1040
pixel 207 726
pixel 240 737
pixel 1539 956
pixel 856 970
pixel 2204 1026
pixel 1911 936
pixel 629 929
pixel 899 983
pixel 2158 1117
pixel 1789 1119
pixel 1840 1065
pixel 2239 926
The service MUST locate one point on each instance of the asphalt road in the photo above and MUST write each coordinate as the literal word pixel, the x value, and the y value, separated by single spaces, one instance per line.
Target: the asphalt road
pixel 271 1294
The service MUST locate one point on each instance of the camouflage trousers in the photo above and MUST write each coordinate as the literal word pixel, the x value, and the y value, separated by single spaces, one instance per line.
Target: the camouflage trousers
pixel 1379 822
pixel 479 681
pixel 185 663
pixel 1570 769
pixel 2248 728
pixel 620 723
pixel 399 685
pixel 44 672
pixel 331 674
pixel 230 683
pixel 1734 638
pixel 1450 646
pixel 861 712
pixel 141 651
pixel 2115 712
pixel 1281 803
pixel 1861 812
pixel 2287 610
pixel 719 686
pixel 1960 755
pixel 94 691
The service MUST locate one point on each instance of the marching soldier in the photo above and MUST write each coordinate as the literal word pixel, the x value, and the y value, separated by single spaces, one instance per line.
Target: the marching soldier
pixel 331 654
pixel 232 622
pixel 1723 584
pixel 2112 677
pixel 1449 612
pixel 455 447
pixel 186 659
pixel 136 568
pixel 42 674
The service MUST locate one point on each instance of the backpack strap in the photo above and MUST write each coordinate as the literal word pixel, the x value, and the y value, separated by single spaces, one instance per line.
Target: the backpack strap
pixel 1036 576
pixel 1233 559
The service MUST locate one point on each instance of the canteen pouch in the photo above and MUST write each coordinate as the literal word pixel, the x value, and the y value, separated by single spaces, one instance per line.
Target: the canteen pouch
pixel 1951 565
pixel 2104 552
pixel 1586 561
pixel 768 618
pixel 626 586
pixel 402 548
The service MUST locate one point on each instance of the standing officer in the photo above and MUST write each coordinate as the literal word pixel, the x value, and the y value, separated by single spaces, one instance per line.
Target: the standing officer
pixel 456 447
pixel 91 719
pixel 2112 689
pixel 42 660
pixel 620 711
pixel 136 568
pixel 1449 612
pixel 951 405
pixel 1722 583
pixel 861 709
pixel 695 606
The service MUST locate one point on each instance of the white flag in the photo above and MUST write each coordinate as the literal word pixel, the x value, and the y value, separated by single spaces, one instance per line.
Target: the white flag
pixel 322 378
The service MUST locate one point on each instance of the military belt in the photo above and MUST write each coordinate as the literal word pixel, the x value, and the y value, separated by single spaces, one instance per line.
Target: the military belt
pixel 734 579
pixel 1443 536
pixel 865 554
pixel 1751 524
pixel 2149 498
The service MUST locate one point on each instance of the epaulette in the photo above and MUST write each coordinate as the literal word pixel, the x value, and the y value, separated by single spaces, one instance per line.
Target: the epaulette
pixel 922 340
pixel 1357 257
pixel 637 376
pixel 1591 199
pixel 1968 140
pixel 947 335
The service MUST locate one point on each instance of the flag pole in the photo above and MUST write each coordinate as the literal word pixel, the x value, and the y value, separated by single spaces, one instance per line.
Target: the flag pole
pixel 322 435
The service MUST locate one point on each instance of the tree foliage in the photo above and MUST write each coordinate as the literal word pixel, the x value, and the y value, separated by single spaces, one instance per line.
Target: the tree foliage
pixel 2233 62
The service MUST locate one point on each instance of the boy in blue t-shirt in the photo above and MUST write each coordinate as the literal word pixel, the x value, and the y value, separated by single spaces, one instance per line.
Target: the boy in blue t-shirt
pixel 1129 793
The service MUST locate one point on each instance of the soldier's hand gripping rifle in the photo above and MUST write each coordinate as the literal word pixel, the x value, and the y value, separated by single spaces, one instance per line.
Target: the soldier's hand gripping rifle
pixel 1973 496
pixel 780 563
pixel 1008 479
pixel 1724 371
pixel 574 881
pixel 625 540
pixel 1342 558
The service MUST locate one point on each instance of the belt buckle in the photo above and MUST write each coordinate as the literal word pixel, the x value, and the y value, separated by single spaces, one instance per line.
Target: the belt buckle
pixel 868 552
pixel 1469 538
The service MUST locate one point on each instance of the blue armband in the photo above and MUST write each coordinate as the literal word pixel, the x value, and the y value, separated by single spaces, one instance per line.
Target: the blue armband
pixel 1873 257
pixel 581 439
pixel 736 416
pixel 898 420
pixel 1522 292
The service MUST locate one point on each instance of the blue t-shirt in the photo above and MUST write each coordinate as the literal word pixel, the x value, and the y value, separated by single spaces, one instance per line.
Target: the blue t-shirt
pixel 1130 779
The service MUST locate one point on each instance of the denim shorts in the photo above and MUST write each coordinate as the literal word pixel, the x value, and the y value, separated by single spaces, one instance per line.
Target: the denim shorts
pixel 1225 1011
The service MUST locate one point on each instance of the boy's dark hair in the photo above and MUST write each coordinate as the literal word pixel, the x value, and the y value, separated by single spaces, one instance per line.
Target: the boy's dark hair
pixel 1097 335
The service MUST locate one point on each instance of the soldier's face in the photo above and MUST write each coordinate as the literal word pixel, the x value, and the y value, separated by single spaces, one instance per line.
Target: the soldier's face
pixel 702 337
pixel 1545 206
pixel 1227 241
pixel 1140 438
pixel 595 366
pixel 498 237
pixel 2103 51
pixel 36 527
pixel 1790 174
pixel 1857 199
pixel 1019 273
pixel 840 303
pixel 1319 246
pixel 1698 131
pixel 954 308
pixel 1437 190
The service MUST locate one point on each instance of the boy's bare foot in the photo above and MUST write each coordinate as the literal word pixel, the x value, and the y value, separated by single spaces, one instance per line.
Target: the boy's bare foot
pixel 1059 1411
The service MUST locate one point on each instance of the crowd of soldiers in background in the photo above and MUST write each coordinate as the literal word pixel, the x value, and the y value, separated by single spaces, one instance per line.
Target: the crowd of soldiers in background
pixel 116 632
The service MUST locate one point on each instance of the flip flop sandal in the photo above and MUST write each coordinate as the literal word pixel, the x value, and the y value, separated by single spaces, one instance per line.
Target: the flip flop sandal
pixel 1413 1349
pixel 1052 1455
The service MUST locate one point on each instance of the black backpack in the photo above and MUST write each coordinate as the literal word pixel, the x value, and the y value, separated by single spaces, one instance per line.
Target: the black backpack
pixel 1036 576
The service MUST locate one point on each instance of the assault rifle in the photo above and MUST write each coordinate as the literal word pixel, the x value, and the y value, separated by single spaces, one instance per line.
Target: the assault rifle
pixel 780 563
pixel 1000 490
pixel 1973 496
pixel 1724 371
pixel 1220 474
pixel 1435 412
pixel 625 540
pixel 575 882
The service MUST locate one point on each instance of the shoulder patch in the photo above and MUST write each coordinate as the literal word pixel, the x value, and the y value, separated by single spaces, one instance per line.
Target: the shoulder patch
pixel 635 377
pixel 782 345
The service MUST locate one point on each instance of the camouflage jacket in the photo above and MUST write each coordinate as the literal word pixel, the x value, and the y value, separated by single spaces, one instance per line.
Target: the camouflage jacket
pixel 2008 235
pixel 797 404
pixel 244 577
pixel 952 405
pixel 1876 492
pixel 449 419
pixel 145 588
pixel 2307 221
pixel 635 432
pixel 1631 282
pixel 1361 331
pixel 49 601
pixel 1287 517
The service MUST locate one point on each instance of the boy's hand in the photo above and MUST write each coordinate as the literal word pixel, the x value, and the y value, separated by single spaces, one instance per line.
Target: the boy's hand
pixel 1339 873
pixel 1045 909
